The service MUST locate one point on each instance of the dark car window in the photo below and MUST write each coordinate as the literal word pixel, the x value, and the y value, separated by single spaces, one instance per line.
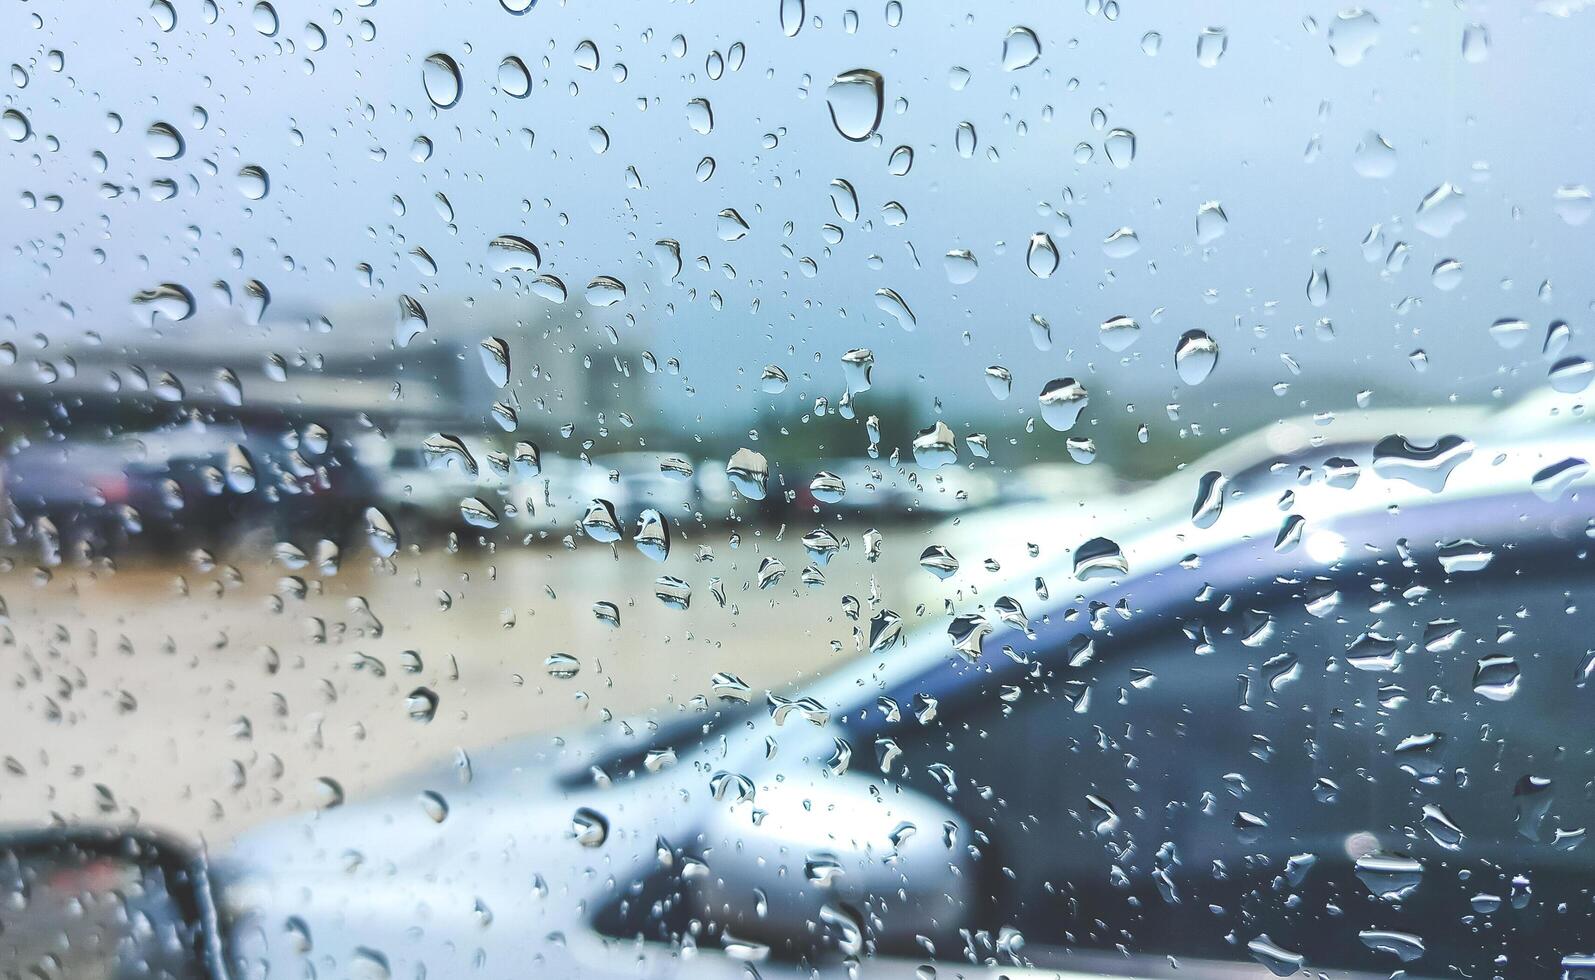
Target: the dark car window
pixel 1241 759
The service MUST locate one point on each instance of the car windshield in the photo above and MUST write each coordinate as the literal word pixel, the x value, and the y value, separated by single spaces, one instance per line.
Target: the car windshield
pixel 797 489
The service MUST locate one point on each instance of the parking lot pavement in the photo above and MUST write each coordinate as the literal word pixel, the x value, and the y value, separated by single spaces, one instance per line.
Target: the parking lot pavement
pixel 119 685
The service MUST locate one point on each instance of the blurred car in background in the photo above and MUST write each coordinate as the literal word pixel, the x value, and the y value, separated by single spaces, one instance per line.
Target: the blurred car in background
pixel 1267 714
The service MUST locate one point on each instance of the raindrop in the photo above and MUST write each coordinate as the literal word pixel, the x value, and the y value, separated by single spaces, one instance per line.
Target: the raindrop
pixel 1496 678
pixel 1280 962
pixel 513 78
pixel 964 140
pixel 589 827
pixel 1374 157
pixel 265 19
pixel 827 487
pixel 163 141
pixel 1042 256
pixel 511 253
pixel 440 77
pixel 938 561
pixel 960 265
pixel 1020 49
pixel 561 666
pixel 1211 45
pixel 600 522
pixel 15 125
pixel 856 98
pixel 477 513
pixel 936 446
pixel 253 182
pixel 888 301
pixel 791 15
pixel 1351 35
pixel 1099 558
pixel 1062 400
pixel 700 116
pixel 1209 499
pixel 422 704
pixel 1427 467
pixel 1117 333
pixel 844 200
pixel 605 291
pixel 1120 147
pixel 653 535
pixel 748 472
pixel 1000 380
pixel 1211 222
pixel 901 161
pixel 586 56
pixel 1122 244
pixel 730 226
pixel 411 323
pixel 1195 356
pixel 1441 210
pixel 168 300
pixel 379 531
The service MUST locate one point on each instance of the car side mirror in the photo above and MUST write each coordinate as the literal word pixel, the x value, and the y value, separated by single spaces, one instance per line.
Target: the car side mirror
pixel 104 903
pixel 844 864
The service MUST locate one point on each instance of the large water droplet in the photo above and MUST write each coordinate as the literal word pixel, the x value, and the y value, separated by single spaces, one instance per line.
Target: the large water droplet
pixel 511 253
pixel 748 472
pixel 1211 45
pixel 1441 210
pixel 1195 356
pixel 700 116
pixel 936 446
pixel 605 291
pixel 856 98
pixel 168 300
pixel 1424 466
pixel 791 17
pixel 1351 35
pixel 1062 400
pixel 513 78
pixel 1041 257
pixel 163 141
pixel 440 77
pixel 1099 558
pixel 1020 49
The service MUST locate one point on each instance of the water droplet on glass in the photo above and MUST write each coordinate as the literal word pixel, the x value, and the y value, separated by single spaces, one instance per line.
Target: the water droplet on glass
pixel 513 78
pixel 748 472
pixel 600 522
pixel 605 291
pixel 964 140
pixel 1195 356
pixel 901 161
pixel 561 666
pixel 264 19
pixel 700 116
pixel 585 56
pixel 858 366
pixel 1020 49
pixel 478 513
pixel 1118 333
pixel 960 265
pixel 938 561
pixel 589 827
pixel 1318 287
pixel 1281 962
pixel 411 323
pixel 1099 558
pixel 653 534
pixel 730 226
pixel 856 98
pixel 936 446
pixel 1496 678
pixel 1122 244
pixel 1041 257
pixel 888 301
pixel 791 17
pixel 421 705
pixel 1390 876
pixel 380 532
pixel 844 200
pixel 1351 35
pixel 1000 380
pixel 1441 210
pixel 1120 147
pixel 15 125
pixel 1062 400
pixel 1429 467
pixel 1211 45
pixel 1209 499
pixel 1551 482
pixel 168 300
pixel 1374 157
pixel 163 141
pixel 440 77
